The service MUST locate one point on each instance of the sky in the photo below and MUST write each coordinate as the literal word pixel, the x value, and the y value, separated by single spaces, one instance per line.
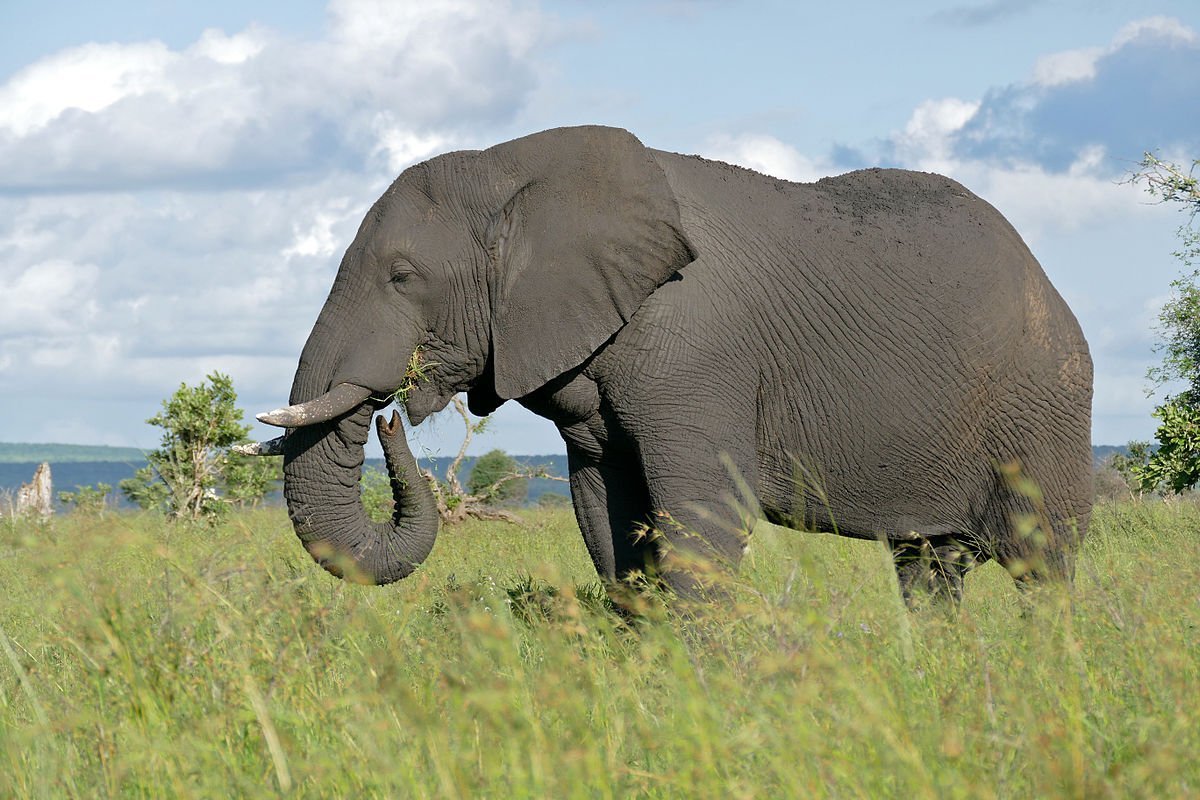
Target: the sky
pixel 178 181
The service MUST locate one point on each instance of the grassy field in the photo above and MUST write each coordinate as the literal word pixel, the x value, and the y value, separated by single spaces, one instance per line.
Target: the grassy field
pixel 139 659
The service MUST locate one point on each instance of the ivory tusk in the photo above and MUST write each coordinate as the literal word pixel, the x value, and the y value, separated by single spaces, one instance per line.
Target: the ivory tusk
pixel 337 401
pixel 271 447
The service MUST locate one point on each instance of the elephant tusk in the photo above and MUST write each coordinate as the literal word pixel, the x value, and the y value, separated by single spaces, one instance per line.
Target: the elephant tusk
pixel 271 447
pixel 337 401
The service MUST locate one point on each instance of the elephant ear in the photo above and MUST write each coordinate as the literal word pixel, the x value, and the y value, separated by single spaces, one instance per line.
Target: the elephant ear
pixel 591 230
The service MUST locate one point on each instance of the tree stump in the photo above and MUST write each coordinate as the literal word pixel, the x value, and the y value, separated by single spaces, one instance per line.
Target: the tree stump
pixel 35 499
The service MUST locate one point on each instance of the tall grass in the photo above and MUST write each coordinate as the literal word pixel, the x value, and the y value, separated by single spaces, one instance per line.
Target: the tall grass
pixel 139 659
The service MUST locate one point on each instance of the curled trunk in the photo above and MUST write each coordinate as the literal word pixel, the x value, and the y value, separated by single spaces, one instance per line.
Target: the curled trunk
pixel 322 470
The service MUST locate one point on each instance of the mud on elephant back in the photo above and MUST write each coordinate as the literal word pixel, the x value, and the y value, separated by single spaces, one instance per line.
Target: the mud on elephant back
pixel 876 354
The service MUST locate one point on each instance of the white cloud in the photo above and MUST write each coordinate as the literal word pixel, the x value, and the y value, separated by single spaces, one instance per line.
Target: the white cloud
pixel 47 298
pixel 167 212
pixel 1137 93
pixel 88 79
pixel 1166 28
pixel 928 137
pixel 1051 153
pixel 216 46
pixel 765 154
pixel 1070 66
pixel 402 147
pixel 390 79
pixel 318 237
pixel 189 282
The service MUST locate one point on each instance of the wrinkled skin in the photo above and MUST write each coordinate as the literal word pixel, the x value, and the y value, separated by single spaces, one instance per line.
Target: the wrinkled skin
pixel 877 355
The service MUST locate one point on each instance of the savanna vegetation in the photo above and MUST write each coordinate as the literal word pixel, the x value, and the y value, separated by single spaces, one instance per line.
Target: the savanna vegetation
pixel 146 658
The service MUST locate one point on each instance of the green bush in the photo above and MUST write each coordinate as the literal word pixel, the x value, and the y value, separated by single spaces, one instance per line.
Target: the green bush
pixel 87 499
pixel 498 479
pixel 193 474
pixel 377 494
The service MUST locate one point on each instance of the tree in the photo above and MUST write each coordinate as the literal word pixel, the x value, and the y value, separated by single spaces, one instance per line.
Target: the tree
pixel 192 475
pixel 87 500
pixel 247 480
pixel 455 504
pixel 1175 465
pixel 497 479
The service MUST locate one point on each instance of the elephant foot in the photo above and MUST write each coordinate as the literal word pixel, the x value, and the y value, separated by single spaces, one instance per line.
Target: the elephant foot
pixel 931 572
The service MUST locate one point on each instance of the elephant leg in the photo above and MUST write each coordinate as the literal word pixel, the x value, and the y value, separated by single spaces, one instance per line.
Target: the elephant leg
pixel 703 517
pixel 612 507
pixel 932 570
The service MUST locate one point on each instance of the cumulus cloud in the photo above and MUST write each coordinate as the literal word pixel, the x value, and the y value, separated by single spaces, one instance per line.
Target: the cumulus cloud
pixel 46 298
pixel 389 80
pixel 1097 108
pixel 1124 98
pixel 1050 151
pixel 765 154
pixel 167 212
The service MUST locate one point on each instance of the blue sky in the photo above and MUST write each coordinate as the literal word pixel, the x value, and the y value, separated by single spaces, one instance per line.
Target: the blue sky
pixel 178 180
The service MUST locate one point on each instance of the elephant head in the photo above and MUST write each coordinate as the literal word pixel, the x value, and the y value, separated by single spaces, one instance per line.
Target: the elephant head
pixel 497 270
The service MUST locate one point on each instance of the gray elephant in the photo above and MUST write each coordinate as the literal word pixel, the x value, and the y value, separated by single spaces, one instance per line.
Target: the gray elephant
pixel 877 355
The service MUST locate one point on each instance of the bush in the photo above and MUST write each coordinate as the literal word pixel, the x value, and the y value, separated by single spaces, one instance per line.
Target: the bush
pixel 193 475
pixel 553 500
pixel 91 500
pixel 497 479
pixel 377 494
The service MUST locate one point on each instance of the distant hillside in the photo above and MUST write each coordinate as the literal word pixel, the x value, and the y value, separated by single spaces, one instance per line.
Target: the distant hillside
pixel 20 453
pixel 69 475
pixel 82 465
pixel 1100 452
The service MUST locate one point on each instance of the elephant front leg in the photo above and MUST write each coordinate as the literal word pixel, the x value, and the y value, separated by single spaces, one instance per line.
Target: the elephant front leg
pixel 613 510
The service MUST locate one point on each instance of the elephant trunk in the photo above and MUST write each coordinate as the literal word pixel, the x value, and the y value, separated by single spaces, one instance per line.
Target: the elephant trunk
pixel 322 469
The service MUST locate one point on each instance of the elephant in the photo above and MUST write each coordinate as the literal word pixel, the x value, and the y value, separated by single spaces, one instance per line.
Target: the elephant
pixel 876 355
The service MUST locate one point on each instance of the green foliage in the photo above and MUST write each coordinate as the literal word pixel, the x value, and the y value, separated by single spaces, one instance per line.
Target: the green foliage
pixel 153 665
pixel 192 474
pixel 1127 467
pixel 146 491
pixel 247 480
pixel 1175 464
pixel 415 374
pixel 553 500
pixel 377 494
pixel 497 478
pixel 87 499
pixel 1179 331
pixel 1169 183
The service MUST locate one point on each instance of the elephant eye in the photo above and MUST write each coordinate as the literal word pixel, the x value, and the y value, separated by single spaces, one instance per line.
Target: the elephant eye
pixel 401 272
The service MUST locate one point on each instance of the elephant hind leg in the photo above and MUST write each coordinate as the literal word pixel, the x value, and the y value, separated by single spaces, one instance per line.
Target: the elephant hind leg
pixel 932 570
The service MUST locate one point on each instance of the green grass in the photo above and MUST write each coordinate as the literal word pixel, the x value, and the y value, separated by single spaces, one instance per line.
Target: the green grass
pixel 139 659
